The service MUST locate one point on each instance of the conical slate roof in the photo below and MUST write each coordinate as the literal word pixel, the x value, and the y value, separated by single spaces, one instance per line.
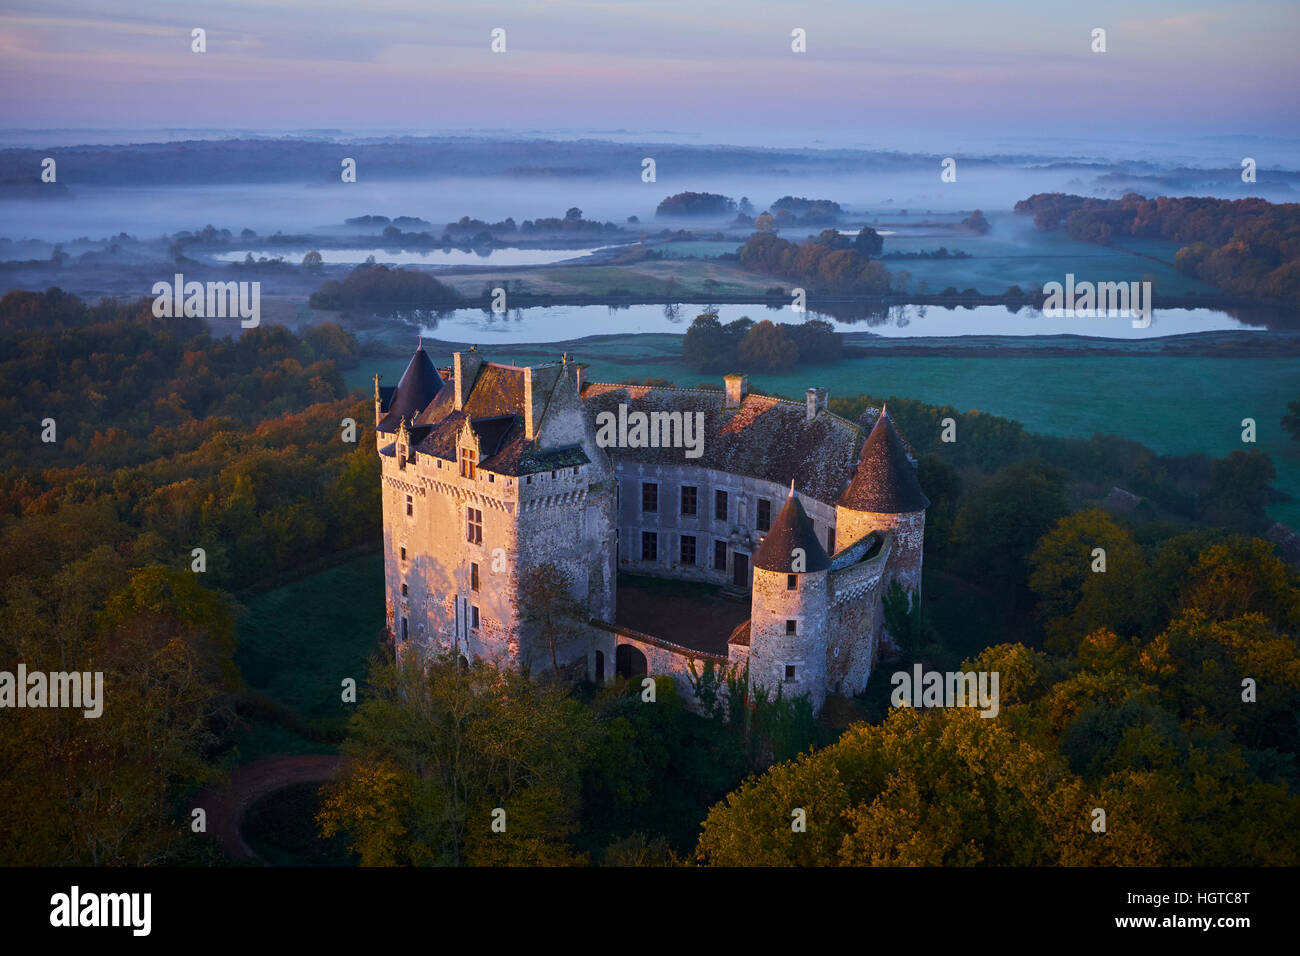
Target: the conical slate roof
pixel 792 529
pixel 419 385
pixel 885 481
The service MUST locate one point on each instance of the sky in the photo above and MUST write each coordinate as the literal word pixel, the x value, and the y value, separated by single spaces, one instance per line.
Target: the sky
pixel 873 72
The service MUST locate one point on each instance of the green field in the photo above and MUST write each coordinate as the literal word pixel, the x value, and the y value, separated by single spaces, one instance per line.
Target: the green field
pixel 298 642
pixel 1174 405
pixel 1000 259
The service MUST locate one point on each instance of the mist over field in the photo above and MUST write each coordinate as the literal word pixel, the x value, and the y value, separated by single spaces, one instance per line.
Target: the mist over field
pixel 158 184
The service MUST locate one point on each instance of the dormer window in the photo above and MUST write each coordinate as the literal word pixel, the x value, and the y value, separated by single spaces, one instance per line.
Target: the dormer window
pixel 468 463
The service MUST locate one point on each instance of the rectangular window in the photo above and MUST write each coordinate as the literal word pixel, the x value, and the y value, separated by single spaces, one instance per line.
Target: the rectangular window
pixel 649 496
pixel 789 672
pixel 473 617
pixel 792 582
pixel 473 526
pixel 403 589
pixel 473 576
pixel 688 549
pixel 764 514
pixel 410 506
pixel 688 500
pixel 720 555
pixel 403 554
pixel 468 463
pixel 719 506
pixel 404 629
pixel 830 540
pixel 649 546
pixel 789 627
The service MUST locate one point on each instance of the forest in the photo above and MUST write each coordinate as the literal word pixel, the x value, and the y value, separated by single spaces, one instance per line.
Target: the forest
pixel 1248 246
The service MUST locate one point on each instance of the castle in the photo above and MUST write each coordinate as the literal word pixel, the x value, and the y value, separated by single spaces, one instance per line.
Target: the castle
pixel 490 470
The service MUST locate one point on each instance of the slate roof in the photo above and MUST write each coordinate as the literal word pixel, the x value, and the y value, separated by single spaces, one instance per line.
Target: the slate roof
pixel 885 480
pixel 766 438
pixel 418 386
pixel 792 529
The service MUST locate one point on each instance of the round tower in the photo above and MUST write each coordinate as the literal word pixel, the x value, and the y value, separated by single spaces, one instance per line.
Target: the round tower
pixel 789 608
pixel 884 495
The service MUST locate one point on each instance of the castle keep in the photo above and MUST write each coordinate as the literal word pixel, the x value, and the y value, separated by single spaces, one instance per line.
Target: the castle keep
pixel 802 517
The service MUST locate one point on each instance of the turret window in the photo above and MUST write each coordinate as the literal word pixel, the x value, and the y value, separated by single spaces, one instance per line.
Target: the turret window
pixel 789 672
pixel 792 582
pixel 790 627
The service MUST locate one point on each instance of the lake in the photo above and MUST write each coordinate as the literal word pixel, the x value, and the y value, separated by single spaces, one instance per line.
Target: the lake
pixel 423 257
pixel 561 323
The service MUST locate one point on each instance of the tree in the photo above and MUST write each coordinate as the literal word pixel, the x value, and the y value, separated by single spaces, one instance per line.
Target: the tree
pixel 437 747
pixel 1291 421
pixel 573 213
pixel 869 242
pixel 767 348
pixel 764 222
pixel 546 603
pixel 976 222
pixel 312 262
pixel 1074 598
pixel 1239 490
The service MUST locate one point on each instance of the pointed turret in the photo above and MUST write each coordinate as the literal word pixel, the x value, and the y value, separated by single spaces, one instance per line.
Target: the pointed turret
pixel 792 530
pixel 885 480
pixel 419 386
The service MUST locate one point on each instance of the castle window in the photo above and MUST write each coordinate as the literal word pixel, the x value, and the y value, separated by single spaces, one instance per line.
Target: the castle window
pixel 719 506
pixel 473 576
pixel 552 475
pixel 649 496
pixel 789 672
pixel 492 478
pixel 468 463
pixel 528 480
pixel 688 549
pixel 649 546
pixel 830 540
pixel 405 629
pixel 473 526
pixel 403 554
pixel 792 582
pixel 473 617
pixel 575 469
pixel 789 627
pixel 410 506
pixel 403 589
pixel 720 555
pixel 764 514
pixel 688 500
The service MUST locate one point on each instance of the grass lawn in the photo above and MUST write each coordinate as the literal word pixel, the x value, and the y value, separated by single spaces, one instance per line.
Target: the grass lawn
pixel 297 643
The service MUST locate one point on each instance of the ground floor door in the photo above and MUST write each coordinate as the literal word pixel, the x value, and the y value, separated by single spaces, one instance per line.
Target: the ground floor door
pixel 740 569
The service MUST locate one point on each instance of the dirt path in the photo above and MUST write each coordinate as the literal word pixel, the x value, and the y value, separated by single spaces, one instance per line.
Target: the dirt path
pixel 227 805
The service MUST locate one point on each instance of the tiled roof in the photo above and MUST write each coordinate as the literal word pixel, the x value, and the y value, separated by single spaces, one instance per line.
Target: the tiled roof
pixel 885 480
pixel 791 530
pixel 418 386
pixel 765 438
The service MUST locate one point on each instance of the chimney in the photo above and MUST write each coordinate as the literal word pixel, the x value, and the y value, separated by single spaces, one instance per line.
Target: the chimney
pixel 467 366
pixel 737 389
pixel 817 398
